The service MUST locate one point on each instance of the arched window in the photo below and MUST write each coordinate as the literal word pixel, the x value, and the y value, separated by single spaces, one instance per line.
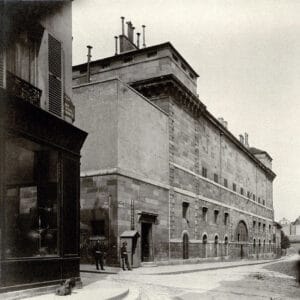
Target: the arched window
pixel 216 246
pixel 241 232
pixel 259 246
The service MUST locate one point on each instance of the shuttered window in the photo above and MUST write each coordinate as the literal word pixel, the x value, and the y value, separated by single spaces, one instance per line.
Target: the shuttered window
pixel 55 76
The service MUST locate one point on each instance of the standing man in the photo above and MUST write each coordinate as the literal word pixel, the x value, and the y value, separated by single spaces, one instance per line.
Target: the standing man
pixel 124 257
pixel 99 254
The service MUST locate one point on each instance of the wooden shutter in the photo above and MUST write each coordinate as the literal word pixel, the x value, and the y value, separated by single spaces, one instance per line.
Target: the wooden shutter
pixel 1 65
pixel 55 75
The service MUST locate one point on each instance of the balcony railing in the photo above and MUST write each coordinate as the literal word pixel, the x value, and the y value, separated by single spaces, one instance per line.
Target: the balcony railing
pixel 20 88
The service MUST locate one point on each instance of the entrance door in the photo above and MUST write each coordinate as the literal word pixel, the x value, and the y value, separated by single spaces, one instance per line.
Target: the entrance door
pixel 242 252
pixel 146 241
pixel 185 244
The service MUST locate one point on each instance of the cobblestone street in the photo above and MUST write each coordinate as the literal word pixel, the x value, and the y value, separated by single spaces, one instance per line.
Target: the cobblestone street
pixel 243 282
pixel 224 280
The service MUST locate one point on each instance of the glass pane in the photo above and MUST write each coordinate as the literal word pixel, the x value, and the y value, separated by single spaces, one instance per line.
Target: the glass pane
pixel 31 199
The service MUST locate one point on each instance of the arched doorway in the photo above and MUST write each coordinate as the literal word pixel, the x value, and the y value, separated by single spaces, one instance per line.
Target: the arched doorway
pixel 216 246
pixel 242 237
pixel 185 245
pixel 204 245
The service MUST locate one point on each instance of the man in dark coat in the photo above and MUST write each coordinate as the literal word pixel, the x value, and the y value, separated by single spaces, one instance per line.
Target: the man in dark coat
pixel 99 252
pixel 124 257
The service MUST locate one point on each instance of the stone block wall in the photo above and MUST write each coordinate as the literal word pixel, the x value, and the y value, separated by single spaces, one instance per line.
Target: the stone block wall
pixel 98 202
pixel 140 66
pixel 147 198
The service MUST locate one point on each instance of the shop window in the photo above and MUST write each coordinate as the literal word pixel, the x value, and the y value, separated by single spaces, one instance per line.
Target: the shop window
pixel 216 178
pixel 31 199
pixel 234 187
pixel 204 213
pixel 204 172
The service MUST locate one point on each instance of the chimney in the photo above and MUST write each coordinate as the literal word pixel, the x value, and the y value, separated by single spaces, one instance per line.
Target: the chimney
pixel 241 138
pixel 144 43
pixel 88 71
pixel 223 122
pixel 138 39
pixel 246 140
pixel 123 30
pixel 130 30
pixel 116 45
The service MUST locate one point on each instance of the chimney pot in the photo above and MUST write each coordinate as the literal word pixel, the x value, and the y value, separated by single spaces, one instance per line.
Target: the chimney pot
pixel 241 138
pixel 144 43
pixel 89 56
pixel 138 39
pixel 130 30
pixel 246 139
pixel 116 45
pixel 123 31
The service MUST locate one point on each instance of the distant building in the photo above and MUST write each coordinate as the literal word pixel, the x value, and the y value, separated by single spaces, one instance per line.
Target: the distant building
pixel 39 146
pixel 158 163
pixel 292 231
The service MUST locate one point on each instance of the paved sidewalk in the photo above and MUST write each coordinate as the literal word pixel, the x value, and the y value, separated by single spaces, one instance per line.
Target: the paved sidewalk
pixel 102 289
pixel 177 269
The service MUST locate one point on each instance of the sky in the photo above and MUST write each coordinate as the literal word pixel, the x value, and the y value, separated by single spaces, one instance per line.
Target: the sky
pixel 247 54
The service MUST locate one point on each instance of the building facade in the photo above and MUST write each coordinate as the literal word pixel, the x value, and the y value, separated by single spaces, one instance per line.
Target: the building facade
pixel 39 146
pixel 292 231
pixel 159 163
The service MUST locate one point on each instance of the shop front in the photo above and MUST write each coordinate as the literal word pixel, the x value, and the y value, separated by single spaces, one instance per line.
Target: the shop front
pixel 39 195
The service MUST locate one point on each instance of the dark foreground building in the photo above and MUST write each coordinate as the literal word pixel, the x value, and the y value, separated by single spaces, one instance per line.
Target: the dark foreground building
pixel 39 146
pixel 159 169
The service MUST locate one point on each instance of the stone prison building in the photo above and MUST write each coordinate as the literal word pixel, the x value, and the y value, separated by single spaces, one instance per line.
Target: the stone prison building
pixel 158 167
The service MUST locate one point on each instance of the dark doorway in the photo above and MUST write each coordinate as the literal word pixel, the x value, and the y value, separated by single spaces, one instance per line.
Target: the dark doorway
pixel 216 246
pixel 242 251
pixel 146 241
pixel 185 244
